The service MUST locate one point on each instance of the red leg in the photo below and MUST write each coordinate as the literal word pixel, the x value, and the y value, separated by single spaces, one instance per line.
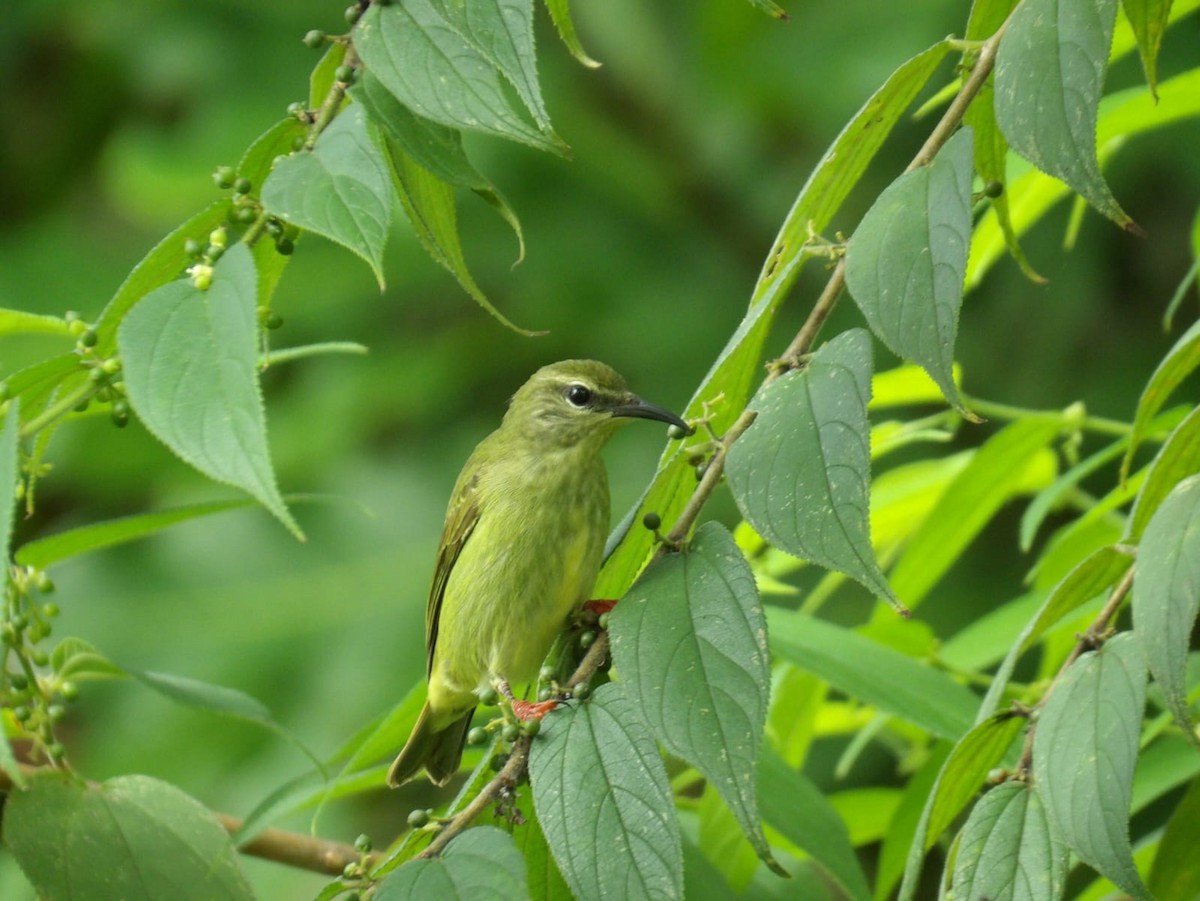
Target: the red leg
pixel 599 606
pixel 525 710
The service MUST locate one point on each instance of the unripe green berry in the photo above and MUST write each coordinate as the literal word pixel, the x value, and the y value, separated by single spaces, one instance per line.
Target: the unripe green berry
pixel 497 763
pixel 18 681
pixel 224 177
pixel 489 698
pixel 112 365
pixel 350 870
pixel 56 751
pixel 582 691
pixel 89 338
pixel 652 521
pixel 120 420
pixel 213 252
pixel 545 693
pixel 273 321
pixel 69 690
pixel 246 215
pixel 274 227
pixel 296 110
pixel 242 186
pixel 418 818
pixel 352 13
pixel 76 326
pixel 993 189
pixel 531 727
pixel 603 621
pixel 192 248
pixel 285 246
pixel 477 736
pixel 510 732
pixel 82 406
pixel 219 237
pixel 97 375
pixel 545 674
pixel 45 586
pixel 22 713
pixel 298 142
pixel 19 622
pixel 38 631
pixel 344 74
pixel 587 638
pixel 56 712
pixel 362 844
pixel 675 433
pixel 39 657
pixel 701 468
pixel 314 38
pixel 202 281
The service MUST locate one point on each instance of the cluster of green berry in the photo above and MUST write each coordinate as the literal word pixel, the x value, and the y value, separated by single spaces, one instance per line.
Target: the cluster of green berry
pixel 104 383
pixel 33 700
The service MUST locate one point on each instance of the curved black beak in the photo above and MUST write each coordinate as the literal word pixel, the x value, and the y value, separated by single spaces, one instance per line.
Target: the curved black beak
pixel 636 408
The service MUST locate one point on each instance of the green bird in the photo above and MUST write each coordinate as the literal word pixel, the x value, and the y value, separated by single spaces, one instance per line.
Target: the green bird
pixel 520 550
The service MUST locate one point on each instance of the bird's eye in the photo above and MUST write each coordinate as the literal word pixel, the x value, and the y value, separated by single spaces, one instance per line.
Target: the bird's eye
pixel 578 395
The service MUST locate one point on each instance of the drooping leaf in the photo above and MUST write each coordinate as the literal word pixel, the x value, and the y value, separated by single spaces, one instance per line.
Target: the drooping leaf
pixel 1178 458
pixel 132 837
pixel 906 260
pixel 990 479
pixel 1181 360
pixel 483 862
pixel 560 14
pixel 455 66
pixel 961 776
pixel 163 264
pixel 690 643
pixel 43 552
pixel 1166 595
pixel 1176 870
pixel 736 367
pixel 429 203
pixel 1049 79
pixel 796 808
pixel 191 373
pixel 1007 850
pixel 432 146
pixel 603 799
pixel 1149 21
pixel 893 682
pixel 1098 572
pixel 1084 754
pixel 339 189
pixel 801 473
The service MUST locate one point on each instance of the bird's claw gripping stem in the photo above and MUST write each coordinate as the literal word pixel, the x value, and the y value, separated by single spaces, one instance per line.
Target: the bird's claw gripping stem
pixel 525 710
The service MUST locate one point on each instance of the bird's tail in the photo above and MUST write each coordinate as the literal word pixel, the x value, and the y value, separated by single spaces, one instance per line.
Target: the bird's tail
pixel 438 750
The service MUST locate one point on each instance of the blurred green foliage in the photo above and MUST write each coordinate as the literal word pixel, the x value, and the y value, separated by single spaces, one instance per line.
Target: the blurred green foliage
pixel 688 148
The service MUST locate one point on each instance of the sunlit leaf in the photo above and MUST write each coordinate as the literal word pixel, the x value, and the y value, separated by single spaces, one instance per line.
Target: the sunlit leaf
pixel 481 863
pixel 560 14
pixel 1149 21
pixel 1084 754
pixel 1178 458
pixel 1181 360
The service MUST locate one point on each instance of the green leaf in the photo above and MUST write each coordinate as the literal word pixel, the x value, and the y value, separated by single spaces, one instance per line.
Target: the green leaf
pixel 1007 851
pixel 906 260
pixel 893 682
pixel 339 189
pixel 324 74
pixel 132 837
pixel 903 825
pixel 455 67
pixel 736 367
pixel 991 163
pixel 792 804
pixel 801 473
pixel 690 643
pixel 560 14
pixel 43 552
pixel 1178 458
pixel 191 372
pixel 1180 362
pixel 1084 754
pixel 202 695
pixel 1176 870
pixel 20 322
pixel 603 799
pixel 995 474
pixel 1035 514
pixel 481 863
pixel 429 203
pixel 165 263
pixel 432 146
pixel 33 384
pixel 545 881
pixel 1086 581
pixel 796 700
pixel 74 657
pixel 10 473
pixel 1149 21
pixel 1166 595
pixel 1049 78
pixel 960 777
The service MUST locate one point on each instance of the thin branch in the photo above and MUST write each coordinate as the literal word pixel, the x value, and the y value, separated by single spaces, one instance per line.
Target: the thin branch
pixel 297 850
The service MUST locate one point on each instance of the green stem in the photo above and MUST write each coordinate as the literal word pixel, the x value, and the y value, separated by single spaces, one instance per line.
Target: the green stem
pixel 84 392
pixel 1097 424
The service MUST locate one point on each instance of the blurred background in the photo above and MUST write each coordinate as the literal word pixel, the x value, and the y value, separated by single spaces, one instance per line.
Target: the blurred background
pixel 690 145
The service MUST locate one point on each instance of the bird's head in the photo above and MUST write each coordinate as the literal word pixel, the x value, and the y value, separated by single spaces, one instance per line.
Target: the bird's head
pixel 576 402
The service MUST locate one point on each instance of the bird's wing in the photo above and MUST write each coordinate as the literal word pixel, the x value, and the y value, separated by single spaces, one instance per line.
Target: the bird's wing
pixel 461 518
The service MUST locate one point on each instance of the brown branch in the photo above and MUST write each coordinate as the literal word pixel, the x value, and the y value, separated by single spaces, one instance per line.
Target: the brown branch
pixel 297 850
pixel 1091 638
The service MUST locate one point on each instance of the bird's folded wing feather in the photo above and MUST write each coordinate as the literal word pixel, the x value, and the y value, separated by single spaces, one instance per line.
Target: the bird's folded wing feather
pixel 461 518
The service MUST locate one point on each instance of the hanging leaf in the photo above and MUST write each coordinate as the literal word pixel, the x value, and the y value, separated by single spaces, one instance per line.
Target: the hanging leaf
pixel 456 66
pixel 1084 753
pixel 340 189
pixel 906 261
pixel 191 371
pixel 560 14
pixel 605 805
pixel 1180 362
pixel 1148 19
pixel 481 863
pixel 801 473
pixel 1049 79
pixel 1007 850
pixel 132 837
pixel 690 643
pixel 1166 595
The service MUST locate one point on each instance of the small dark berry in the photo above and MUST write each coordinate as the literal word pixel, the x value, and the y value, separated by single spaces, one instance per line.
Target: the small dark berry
pixel 352 13
pixel 603 621
pixel 497 763
pixel 418 818
pixel 298 142
pixel 22 713
pixel 651 521
pixel 582 691
pixel 285 246
pixel 224 177
pixel 477 736
pixel 510 732
pixel 214 252
pixel 993 189
pixel 89 338
pixel 242 186
pixel 192 248
pixel 19 682
pixel 274 227
pixel 675 433
pixel 273 321
pixel 344 74
pixel 531 727
pixel 489 698
pixel 246 215
pixel 56 751
pixel 586 639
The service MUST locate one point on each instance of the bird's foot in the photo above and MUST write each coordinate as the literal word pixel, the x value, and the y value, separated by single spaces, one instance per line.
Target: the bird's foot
pixel 531 710
pixel 600 606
